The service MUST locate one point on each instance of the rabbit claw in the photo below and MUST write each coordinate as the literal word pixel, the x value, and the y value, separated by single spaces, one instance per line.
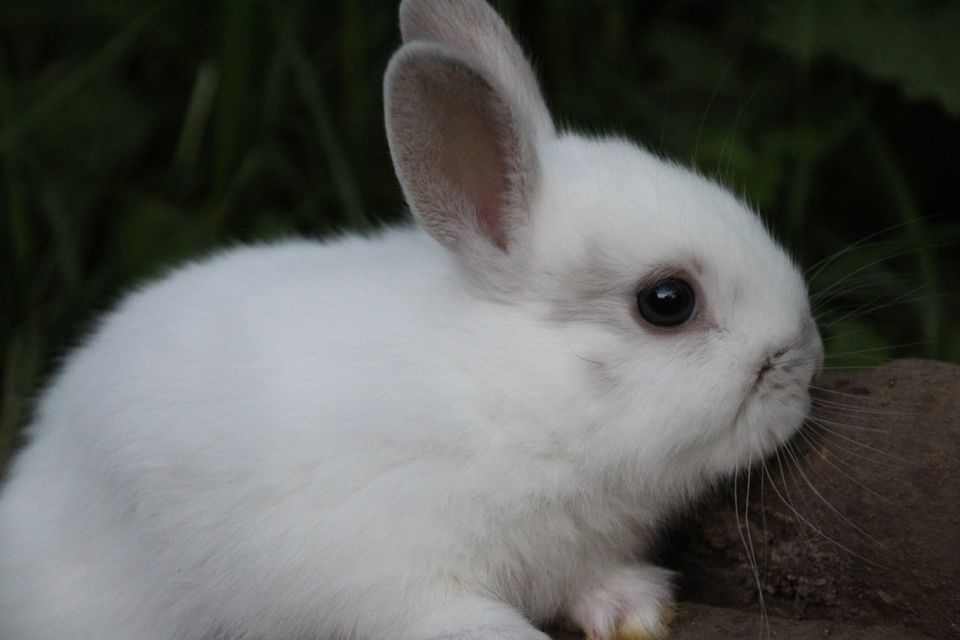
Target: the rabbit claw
pixel 630 604
pixel 628 631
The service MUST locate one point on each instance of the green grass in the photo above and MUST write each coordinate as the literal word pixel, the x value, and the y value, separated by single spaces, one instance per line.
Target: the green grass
pixel 134 135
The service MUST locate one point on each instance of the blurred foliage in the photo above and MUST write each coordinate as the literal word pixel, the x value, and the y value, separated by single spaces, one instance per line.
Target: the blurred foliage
pixel 134 135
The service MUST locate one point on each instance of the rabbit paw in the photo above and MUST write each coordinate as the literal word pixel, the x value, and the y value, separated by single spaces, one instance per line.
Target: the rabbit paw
pixel 628 604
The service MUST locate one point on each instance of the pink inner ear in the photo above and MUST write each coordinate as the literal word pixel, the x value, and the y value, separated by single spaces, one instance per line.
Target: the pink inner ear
pixel 473 161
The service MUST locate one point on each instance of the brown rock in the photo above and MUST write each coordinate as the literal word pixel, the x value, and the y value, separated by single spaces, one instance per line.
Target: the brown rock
pixel 702 622
pixel 858 521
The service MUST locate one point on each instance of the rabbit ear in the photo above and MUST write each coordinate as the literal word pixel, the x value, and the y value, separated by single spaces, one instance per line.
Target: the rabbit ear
pixel 474 28
pixel 462 122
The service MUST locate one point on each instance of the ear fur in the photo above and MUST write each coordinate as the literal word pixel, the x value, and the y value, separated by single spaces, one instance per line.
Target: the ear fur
pixel 460 125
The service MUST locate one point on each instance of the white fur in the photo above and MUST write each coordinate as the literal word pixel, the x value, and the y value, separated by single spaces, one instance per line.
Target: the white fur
pixel 377 438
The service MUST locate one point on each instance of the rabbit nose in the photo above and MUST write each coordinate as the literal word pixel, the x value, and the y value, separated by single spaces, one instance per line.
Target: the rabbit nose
pixel 764 370
pixel 793 357
pixel 767 365
pixel 780 357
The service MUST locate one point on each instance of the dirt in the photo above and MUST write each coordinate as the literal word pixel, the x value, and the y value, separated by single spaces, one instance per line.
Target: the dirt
pixel 854 529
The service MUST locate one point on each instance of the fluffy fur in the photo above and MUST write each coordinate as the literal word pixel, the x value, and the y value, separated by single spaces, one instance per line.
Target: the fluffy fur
pixel 395 437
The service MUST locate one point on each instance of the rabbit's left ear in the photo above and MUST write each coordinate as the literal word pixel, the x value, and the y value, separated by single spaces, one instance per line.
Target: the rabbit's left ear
pixel 474 28
pixel 464 114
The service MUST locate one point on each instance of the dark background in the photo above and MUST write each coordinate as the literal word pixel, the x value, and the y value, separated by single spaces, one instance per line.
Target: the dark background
pixel 136 134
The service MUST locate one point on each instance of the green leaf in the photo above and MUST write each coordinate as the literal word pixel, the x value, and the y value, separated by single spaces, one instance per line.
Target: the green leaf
pixel 150 234
pixel 855 344
pixel 910 44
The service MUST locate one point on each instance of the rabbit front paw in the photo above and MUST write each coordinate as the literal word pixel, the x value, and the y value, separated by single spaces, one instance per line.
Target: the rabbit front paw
pixel 630 603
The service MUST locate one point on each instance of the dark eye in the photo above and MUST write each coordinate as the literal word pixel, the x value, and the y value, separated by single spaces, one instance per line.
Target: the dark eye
pixel 667 303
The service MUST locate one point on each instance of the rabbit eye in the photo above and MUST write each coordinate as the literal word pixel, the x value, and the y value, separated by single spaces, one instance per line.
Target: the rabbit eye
pixel 667 303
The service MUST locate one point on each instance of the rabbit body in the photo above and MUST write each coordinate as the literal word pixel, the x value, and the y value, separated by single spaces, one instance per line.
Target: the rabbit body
pixel 409 436
pixel 333 451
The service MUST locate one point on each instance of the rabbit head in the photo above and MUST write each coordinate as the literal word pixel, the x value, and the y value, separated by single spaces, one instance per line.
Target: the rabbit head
pixel 692 325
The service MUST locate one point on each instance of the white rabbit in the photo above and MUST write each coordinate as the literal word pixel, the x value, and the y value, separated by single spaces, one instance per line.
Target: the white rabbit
pixel 403 436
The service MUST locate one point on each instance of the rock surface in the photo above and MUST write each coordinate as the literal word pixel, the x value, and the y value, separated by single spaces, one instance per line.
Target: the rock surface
pixel 702 622
pixel 859 521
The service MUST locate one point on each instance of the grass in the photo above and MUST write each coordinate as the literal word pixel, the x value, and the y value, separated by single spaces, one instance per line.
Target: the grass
pixel 135 135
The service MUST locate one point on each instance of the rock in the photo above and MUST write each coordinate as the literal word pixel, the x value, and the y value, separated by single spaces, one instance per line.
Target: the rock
pixel 859 521
pixel 702 622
